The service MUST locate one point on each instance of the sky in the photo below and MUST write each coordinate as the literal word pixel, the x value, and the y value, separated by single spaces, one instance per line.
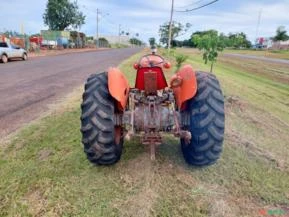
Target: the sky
pixel 145 16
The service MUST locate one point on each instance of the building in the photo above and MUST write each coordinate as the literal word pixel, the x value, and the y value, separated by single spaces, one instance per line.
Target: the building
pixel 268 43
pixel 280 45
pixel 63 38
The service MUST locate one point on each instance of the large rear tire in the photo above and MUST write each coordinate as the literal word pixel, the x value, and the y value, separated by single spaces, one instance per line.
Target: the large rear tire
pixel 97 122
pixel 207 122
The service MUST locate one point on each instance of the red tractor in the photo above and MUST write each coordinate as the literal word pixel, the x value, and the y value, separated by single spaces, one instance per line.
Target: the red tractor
pixel 190 107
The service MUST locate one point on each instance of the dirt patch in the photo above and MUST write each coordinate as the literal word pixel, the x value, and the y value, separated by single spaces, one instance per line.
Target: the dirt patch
pixel 220 208
pixel 236 139
pixel 139 204
pixel 39 204
pixel 139 174
pixel 157 182
pixel 44 154
pixel 36 203
pixel 43 53
pixel 217 199
pixel 235 102
pixel 68 103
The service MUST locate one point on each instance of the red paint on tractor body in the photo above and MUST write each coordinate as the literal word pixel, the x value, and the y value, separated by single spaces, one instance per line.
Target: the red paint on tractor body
pixel 140 78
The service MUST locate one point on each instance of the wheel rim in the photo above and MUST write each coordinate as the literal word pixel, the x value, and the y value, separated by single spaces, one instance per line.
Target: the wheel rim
pixel 4 59
pixel 24 57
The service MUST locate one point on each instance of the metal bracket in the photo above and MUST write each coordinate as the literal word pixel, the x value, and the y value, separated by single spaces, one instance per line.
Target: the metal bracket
pixel 152 139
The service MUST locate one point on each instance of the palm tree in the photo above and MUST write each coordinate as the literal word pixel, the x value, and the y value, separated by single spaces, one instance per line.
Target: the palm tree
pixel 281 34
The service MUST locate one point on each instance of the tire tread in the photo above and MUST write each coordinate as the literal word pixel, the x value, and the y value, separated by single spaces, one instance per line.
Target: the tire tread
pixel 97 124
pixel 207 122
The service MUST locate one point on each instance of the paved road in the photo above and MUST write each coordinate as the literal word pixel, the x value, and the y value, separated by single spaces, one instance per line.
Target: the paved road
pixel 267 59
pixel 26 88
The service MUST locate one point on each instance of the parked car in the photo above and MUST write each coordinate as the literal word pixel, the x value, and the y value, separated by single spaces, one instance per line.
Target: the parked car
pixel 9 51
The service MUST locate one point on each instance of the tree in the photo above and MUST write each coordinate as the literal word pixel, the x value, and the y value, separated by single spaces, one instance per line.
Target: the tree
pixel 188 43
pixel 177 43
pixel 103 42
pixel 152 41
pixel 135 41
pixel 239 40
pixel 226 40
pixel 62 14
pixel 180 59
pixel 210 43
pixel 281 34
pixel 177 28
pixel 124 33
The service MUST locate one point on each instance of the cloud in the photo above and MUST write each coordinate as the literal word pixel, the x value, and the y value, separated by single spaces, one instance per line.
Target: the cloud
pixel 244 18
pixel 145 17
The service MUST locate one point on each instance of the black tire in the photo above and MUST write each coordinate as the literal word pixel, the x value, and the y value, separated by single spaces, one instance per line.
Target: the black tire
pixel 24 57
pixel 4 58
pixel 97 122
pixel 207 122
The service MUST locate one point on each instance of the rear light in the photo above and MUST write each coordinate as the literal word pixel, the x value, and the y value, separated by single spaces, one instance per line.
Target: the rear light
pixel 136 66
pixel 167 65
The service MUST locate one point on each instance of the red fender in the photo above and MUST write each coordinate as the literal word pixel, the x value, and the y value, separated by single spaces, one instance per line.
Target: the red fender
pixel 188 85
pixel 118 87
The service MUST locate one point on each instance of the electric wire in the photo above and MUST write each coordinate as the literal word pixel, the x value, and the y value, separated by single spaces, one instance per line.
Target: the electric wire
pixel 197 8
pixel 193 3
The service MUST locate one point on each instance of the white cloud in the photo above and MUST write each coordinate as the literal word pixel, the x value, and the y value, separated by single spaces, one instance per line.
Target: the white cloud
pixel 243 19
pixel 145 17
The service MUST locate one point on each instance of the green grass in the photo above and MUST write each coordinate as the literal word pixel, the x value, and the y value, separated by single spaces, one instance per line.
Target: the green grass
pixel 44 171
pixel 118 45
pixel 279 54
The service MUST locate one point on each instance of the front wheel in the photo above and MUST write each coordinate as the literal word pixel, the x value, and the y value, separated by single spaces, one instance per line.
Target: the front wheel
pixel 102 141
pixel 4 58
pixel 24 57
pixel 207 122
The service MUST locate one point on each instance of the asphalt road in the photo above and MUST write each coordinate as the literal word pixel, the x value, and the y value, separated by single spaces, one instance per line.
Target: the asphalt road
pixel 27 88
pixel 266 59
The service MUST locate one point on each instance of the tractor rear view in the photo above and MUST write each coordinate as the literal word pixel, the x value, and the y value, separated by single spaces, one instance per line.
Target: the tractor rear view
pixel 190 106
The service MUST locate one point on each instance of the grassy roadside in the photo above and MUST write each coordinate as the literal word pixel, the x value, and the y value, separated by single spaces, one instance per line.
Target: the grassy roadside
pixel 279 54
pixel 42 53
pixel 44 171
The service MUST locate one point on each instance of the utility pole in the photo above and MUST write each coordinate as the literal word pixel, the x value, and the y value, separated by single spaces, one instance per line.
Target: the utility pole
pixel 97 21
pixel 119 33
pixel 171 26
pixel 258 24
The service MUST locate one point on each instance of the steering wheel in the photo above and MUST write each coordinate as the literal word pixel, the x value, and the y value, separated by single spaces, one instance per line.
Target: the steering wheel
pixel 150 62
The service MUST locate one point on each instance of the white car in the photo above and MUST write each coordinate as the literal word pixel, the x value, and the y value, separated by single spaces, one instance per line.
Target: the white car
pixel 9 51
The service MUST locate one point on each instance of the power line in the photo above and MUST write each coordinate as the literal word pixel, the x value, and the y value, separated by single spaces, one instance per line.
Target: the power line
pixel 97 27
pixel 197 8
pixel 194 3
